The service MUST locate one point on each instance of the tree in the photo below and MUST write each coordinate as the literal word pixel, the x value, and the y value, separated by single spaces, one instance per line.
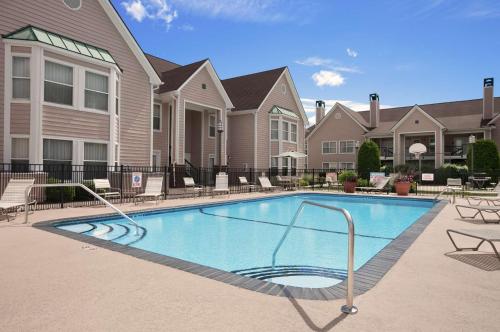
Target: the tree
pixel 368 159
pixel 485 155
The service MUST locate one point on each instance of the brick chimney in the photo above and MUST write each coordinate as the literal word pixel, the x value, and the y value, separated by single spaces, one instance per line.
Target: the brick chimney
pixel 488 98
pixel 374 110
pixel 320 110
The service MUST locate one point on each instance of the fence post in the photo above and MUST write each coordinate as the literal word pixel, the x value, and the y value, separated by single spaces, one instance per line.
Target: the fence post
pixel 62 188
pixel 313 179
pixel 121 184
pixel 165 180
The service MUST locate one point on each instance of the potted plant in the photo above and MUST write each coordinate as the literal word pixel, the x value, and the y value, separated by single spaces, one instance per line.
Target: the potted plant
pixel 349 180
pixel 402 184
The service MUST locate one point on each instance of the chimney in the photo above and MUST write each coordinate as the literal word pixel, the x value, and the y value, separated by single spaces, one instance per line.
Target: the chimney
pixel 488 98
pixel 374 110
pixel 320 110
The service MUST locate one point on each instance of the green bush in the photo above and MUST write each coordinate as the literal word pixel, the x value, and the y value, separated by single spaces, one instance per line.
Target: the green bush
pixel 387 169
pixel 363 183
pixel 368 159
pixel 485 157
pixel 349 176
pixel 404 169
pixel 54 194
pixel 81 194
pixel 305 180
pixel 450 171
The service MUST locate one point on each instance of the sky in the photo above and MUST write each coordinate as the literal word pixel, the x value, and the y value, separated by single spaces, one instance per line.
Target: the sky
pixel 408 51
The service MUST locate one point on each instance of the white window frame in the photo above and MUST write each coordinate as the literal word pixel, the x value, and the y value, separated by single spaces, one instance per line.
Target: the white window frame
pixel 343 163
pixel 157 154
pixel 161 111
pixel 277 130
pixel 12 77
pixel 283 131
pixel 330 144
pixel 292 132
pixel 11 150
pixel 95 161
pixel 329 165
pixel 85 70
pixel 212 116
pixel 74 152
pixel 211 156
pixel 74 67
pixel 347 141
pixel 277 162
pixel 117 96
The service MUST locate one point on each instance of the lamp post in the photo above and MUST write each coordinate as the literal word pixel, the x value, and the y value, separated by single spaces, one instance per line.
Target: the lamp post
pixel 220 130
pixel 356 146
pixel 472 140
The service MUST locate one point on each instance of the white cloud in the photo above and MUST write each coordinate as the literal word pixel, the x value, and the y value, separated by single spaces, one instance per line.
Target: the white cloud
pixel 310 106
pixel 186 27
pixel 314 61
pixel 151 9
pixel 352 53
pixel 345 69
pixel 328 77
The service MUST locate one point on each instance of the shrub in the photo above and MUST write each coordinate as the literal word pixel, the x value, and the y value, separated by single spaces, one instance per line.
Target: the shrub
pixel 305 180
pixel 485 157
pixel 363 183
pixel 450 171
pixel 81 194
pixel 387 169
pixel 348 176
pixel 403 169
pixel 368 159
pixel 54 194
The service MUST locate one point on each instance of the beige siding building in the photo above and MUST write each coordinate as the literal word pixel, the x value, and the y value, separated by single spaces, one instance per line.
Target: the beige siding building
pixel 444 128
pixel 75 88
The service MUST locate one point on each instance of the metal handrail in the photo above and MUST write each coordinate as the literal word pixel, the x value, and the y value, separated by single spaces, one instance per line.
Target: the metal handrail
pixel 52 185
pixel 348 308
pixel 445 190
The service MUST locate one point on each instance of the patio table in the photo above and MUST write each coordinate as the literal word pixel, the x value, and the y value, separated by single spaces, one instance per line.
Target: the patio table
pixel 479 182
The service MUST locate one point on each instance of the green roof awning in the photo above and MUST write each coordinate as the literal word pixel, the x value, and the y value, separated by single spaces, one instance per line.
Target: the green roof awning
pixel 50 38
pixel 283 111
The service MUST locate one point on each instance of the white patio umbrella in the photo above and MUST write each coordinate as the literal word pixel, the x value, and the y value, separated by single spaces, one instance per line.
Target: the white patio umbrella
pixel 292 154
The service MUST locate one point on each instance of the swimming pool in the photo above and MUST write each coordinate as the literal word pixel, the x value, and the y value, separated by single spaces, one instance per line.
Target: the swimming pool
pixel 240 236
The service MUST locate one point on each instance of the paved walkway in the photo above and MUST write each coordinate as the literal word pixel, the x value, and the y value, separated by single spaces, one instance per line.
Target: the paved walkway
pixel 49 282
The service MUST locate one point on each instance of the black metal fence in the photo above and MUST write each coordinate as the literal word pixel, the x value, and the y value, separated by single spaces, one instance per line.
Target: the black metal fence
pixel 121 181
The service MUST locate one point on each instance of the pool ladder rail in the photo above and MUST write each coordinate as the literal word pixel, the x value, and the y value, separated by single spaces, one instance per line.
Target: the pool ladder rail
pixel 349 307
pixel 52 185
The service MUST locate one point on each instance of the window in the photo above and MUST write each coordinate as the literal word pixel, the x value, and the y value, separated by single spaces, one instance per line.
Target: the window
pixel 329 147
pixel 293 132
pixel 157 117
pixel 294 166
pixel 346 146
pixel 211 126
pixel 285 130
pixel 274 162
pixel 58 86
pixel 346 165
pixel 156 158
pixel 117 101
pixel 329 165
pixel 20 78
pixel 284 166
pixel 57 154
pixel 95 160
pixel 274 130
pixel 211 161
pixel 96 91
pixel 20 154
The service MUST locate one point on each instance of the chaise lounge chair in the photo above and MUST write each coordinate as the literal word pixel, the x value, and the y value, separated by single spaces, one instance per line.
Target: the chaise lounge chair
pixel 266 184
pixel 190 184
pixel 245 184
pixel 285 182
pixel 103 188
pixel 483 235
pixel 491 201
pixel 331 179
pixel 221 184
pixel 380 186
pixel 479 210
pixel 154 189
pixel 13 196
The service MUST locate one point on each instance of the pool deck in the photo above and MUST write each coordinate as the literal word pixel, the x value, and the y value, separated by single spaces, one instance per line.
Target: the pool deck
pixel 50 282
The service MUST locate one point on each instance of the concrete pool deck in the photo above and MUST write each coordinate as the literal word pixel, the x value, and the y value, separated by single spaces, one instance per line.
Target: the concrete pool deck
pixel 50 282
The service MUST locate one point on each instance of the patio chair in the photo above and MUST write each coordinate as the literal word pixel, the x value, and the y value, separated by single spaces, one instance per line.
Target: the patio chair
pixel 454 185
pixel 286 183
pixel 154 189
pixel 379 186
pixel 492 201
pixel 103 188
pixel 221 184
pixel 483 235
pixel 244 183
pixel 13 196
pixel 479 210
pixel 266 184
pixel 190 184
pixel 331 179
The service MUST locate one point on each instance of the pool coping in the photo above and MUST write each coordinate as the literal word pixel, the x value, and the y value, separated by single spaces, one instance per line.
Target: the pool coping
pixel 365 278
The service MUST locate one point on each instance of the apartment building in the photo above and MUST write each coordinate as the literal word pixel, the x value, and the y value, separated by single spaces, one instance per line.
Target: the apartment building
pixel 76 87
pixel 444 128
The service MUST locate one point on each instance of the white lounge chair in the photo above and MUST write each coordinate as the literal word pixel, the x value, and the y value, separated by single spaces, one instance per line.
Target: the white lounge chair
pixel 103 188
pixel 492 201
pixel 331 179
pixel 266 184
pixel 190 184
pixel 285 182
pixel 379 186
pixel 483 235
pixel 479 210
pixel 244 183
pixel 221 184
pixel 13 196
pixel 154 189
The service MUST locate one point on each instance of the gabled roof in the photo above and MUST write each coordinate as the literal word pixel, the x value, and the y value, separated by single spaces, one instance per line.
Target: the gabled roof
pixel 161 65
pixel 338 106
pixel 280 110
pixel 175 78
pixel 32 33
pixel 249 91
pixel 414 109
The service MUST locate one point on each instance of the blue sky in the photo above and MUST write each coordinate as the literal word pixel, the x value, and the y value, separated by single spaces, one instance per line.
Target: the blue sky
pixel 408 51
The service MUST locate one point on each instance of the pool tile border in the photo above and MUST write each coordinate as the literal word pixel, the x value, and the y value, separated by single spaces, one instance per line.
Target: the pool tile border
pixel 365 277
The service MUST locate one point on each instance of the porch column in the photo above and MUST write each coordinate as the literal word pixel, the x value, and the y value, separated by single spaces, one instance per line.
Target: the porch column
pixel 439 148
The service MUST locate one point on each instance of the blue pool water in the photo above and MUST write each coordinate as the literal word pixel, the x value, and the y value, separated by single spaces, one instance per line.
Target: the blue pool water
pixel 241 237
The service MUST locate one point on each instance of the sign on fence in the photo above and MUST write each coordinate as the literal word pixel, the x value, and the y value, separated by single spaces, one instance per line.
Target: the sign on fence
pixel 136 180
pixel 375 176
pixel 427 176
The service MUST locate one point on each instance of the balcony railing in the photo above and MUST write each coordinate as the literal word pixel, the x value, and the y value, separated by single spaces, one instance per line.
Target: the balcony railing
pixel 457 151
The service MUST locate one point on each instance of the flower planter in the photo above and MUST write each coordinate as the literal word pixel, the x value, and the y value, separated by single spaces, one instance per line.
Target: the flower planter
pixel 402 188
pixel 349 187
